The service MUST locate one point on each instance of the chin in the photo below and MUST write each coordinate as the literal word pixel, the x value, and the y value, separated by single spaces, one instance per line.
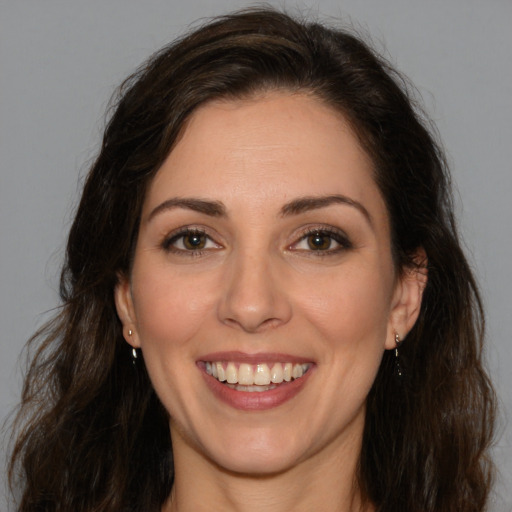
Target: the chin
pixel 260 452
pixel 256 463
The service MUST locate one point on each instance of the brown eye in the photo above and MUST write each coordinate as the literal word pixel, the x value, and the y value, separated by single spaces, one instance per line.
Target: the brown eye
pixel 194 241
pixel 322 242
pixel 189 242
pixel 319 241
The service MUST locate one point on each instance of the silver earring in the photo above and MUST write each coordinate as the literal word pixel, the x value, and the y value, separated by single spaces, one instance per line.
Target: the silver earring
pixel 134 350
pixel 398 368
pixel 135 356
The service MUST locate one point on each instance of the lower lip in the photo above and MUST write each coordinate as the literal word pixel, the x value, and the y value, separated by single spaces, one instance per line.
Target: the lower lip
pixel 257 400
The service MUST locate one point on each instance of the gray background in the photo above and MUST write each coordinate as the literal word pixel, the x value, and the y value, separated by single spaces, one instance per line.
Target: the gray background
pixel 61 60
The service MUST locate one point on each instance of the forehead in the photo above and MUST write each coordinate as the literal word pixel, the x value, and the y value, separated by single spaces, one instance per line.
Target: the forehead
pixel 269 148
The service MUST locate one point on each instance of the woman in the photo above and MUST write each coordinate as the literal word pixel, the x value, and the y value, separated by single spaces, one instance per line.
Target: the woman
pixel 265 303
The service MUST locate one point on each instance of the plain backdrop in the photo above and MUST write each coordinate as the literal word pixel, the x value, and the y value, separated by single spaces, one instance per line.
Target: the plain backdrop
pixel 61 60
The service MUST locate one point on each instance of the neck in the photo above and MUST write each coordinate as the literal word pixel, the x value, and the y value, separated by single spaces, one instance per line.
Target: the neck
pixel 323 482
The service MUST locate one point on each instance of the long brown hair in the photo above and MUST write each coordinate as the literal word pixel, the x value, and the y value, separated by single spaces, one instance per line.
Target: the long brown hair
pixel 92 433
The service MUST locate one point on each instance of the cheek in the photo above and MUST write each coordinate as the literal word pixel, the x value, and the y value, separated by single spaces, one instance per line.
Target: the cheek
pixel 349 312
pixel 352 319
pixel 350 306
pixel 169 307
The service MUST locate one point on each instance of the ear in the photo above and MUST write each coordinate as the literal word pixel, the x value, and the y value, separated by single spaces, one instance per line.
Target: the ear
pixel 407 299
pixel 126 311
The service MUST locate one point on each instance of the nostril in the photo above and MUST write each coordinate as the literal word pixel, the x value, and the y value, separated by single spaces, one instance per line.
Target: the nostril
pixel 250 297
pixel 271 323
pixel 256 327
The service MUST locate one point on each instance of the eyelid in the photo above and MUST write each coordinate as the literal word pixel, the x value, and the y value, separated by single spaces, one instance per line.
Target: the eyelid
pixel 336 234
pixel 182 231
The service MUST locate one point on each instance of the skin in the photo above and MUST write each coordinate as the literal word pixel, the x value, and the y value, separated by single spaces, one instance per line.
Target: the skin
pixel 257 286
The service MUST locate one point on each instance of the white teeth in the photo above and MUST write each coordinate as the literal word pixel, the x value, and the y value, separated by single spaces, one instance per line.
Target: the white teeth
pixel 261 375
pixel 231 373
pixel 251 389
pixel 276 374
pixel 246 377
pixel 221 373
pixel 297 371
pixel 287 372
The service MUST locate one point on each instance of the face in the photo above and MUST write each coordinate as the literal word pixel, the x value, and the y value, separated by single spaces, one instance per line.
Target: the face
pixel 263 261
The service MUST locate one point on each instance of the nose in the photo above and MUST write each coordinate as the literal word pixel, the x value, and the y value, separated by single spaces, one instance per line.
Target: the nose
pixel 254 296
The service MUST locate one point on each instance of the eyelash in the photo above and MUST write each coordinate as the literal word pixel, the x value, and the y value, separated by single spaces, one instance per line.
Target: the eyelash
pixel 332 234
pixel 169 243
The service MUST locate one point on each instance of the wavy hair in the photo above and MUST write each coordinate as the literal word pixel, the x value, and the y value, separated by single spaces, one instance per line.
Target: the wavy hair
pixel 91 433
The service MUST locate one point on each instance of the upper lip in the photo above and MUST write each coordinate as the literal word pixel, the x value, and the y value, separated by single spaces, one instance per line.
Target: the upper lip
pixel 261 357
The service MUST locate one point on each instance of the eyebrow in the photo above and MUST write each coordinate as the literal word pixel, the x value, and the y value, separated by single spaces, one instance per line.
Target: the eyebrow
pixel 308 203
pixel 294 207
pixel 211 208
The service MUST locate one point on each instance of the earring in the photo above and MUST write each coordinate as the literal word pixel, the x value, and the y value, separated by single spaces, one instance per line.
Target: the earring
pixel 134 350
pixel 135 356
pixel 398 368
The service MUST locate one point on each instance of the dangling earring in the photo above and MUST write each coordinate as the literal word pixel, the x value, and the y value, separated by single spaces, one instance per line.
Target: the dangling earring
pixel 398 368
pixel 134 350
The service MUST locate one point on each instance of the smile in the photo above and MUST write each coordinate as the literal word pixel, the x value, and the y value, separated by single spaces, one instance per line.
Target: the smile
pixel 255 382
pixel 255 377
